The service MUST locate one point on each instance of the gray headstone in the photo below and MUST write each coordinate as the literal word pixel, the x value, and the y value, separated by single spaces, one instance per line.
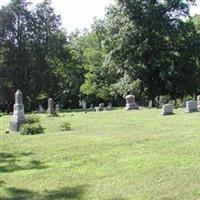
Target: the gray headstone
pixel 130 102
pixel 41 109
pixel 18 117
pixel 57 107
pixel 150 104
pixel 84 105
pixel 191 106
pixel 101 106
pixel 198 101
pixel 50 109
pixel 167 109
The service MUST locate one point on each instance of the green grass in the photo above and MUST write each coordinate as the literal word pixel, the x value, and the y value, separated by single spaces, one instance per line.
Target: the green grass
pixel 116 155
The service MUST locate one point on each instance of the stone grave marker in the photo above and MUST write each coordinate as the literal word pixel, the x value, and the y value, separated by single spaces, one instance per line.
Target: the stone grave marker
pixel 130 102
pixel 50 109
pixel 18 117
pixel 150 104
pixel 191 106
pixel 167 109
pixel 198 101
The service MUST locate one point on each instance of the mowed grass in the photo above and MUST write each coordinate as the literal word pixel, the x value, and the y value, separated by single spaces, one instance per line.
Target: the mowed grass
pixel 117 155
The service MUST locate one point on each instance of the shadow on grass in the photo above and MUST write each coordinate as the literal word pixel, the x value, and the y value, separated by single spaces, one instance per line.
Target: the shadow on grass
pixel 63 193
pixel 11 162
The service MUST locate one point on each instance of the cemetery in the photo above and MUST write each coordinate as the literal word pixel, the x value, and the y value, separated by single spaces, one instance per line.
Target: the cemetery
pixel 109 112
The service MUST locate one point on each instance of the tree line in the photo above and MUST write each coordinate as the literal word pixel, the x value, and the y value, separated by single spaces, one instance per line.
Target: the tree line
pixel 148 48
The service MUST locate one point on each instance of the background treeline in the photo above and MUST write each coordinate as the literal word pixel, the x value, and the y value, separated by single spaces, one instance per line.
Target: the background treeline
pixel 148 48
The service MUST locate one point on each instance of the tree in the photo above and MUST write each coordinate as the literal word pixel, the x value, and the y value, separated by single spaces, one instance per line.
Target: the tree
pixel 142 43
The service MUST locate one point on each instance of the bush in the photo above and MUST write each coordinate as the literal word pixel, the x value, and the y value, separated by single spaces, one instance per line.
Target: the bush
pixel 65 126
pixel 31 119
pixel 31 129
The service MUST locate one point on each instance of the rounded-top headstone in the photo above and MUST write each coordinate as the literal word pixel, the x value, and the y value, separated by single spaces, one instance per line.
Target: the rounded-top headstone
pixel 130 102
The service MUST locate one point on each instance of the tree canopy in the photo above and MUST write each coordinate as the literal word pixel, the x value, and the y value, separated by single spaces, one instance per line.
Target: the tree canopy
pixel 147 48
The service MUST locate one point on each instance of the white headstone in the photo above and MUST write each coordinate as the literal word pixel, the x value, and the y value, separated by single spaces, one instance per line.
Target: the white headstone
pixel 198 101
pixel 167 109
pixel 191 106
pixel 18 117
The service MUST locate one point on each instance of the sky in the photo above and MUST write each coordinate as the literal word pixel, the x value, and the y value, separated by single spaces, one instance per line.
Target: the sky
pixel 79 14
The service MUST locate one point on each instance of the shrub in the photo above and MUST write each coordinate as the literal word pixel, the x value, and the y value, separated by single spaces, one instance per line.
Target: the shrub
pixel 31 119
pixel 65 126
pixel 31 129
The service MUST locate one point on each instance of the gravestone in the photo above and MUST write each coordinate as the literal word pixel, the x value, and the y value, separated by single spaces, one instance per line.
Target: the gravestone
pixel 191 106
pixel 50 109
pixel 167 109
pixel 57 107
pixel 84 105
pixel 101 106
pixel 130 102
pixel 150 104
pixel 198 101
pixel 18 117
pixel 41 109
pixel 96 109
pixel 109 107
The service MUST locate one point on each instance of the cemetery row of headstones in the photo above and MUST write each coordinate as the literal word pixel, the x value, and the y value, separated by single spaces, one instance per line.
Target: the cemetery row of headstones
pixel 18 117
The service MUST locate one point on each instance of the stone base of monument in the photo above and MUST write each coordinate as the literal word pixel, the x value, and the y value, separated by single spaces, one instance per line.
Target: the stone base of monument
pixel 132 106
pixel 15 125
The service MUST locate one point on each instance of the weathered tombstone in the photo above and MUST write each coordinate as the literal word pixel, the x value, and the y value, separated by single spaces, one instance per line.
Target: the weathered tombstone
pixel 191 106
pixel 198 101
pixel 57 107
pixel 167 109
pixel 18 117
pixel 96 109
pixel 109 107
pixel 150 104
pixel 50 109
pixel 41 109
pixel 84 105
pixel 101 106
pixel 130 102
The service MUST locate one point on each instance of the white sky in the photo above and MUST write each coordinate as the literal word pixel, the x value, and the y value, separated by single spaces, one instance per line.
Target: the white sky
pixel 80 13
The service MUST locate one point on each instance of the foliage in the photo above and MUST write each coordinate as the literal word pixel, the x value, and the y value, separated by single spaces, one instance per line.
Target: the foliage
pixel 31 129
pixel 31 119
pixel 65 126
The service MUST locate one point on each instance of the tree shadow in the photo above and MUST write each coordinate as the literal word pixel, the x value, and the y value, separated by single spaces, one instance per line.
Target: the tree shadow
pixel 63 193
pixel 11 162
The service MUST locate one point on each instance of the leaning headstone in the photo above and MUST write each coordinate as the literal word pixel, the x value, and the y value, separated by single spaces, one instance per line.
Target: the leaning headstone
pixel 198 101
pixel 130 102
pixel 150 104
pixel 57 107
pixel 191 106
pixel 167 109
pixel 18 117
pixel 50 109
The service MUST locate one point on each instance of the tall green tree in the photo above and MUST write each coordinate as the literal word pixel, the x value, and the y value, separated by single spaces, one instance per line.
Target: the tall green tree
pixel 142 43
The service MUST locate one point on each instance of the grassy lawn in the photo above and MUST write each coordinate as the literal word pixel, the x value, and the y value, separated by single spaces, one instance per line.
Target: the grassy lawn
pixel 116 155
